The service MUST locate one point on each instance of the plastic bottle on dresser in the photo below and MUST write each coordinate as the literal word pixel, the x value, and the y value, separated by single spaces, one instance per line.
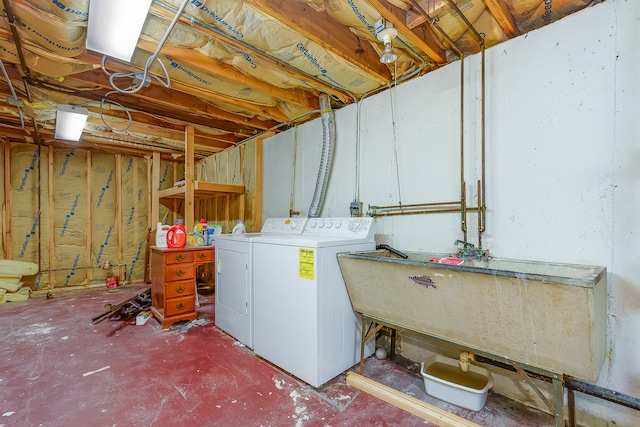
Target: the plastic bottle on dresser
pixel 204 231
pixel 177 235
pixel 239 228
pixel 161 235
pixel 210 235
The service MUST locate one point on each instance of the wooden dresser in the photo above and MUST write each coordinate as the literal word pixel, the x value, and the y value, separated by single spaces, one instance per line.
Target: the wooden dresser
pixel 173 282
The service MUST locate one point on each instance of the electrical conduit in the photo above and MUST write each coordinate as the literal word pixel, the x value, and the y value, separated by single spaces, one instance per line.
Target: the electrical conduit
pixel 326 158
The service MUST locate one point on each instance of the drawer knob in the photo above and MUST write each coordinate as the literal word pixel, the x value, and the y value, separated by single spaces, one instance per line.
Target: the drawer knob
pixel 202 256
pixel 180 273
pixel 180 289
pixel 180 258
pixel 181 306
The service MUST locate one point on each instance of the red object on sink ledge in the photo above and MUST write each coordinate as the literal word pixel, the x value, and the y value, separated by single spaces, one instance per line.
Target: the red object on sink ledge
pixel 447 260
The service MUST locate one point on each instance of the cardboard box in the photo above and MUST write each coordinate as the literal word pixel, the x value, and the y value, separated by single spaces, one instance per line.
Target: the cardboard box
pixel 142 317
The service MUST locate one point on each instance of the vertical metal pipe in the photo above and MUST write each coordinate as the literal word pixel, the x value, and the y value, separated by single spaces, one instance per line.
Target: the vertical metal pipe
pixel 463 190
pixel 483 207
pixel 479 216
pixel 454 47
pixel 39 191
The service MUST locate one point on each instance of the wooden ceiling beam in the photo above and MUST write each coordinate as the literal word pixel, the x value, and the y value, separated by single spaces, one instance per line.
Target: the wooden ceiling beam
pixel 126 144
pixel 121 117
pixel 179 97
pixel 501 13
pixel 323 30
pixel 217 67
pixel 160 133
pixel 229 41
pixel 158 102
pixel 151 108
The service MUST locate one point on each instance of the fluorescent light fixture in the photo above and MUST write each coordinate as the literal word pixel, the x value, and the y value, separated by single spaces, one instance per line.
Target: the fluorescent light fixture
pixel 115 25
pixel 70 122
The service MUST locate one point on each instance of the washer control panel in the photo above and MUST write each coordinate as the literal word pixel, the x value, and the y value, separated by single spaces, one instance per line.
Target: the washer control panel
pixel 353 227
pixel 284 225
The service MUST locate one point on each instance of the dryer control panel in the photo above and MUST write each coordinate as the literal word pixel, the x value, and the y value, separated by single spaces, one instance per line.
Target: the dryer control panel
pixel 291 226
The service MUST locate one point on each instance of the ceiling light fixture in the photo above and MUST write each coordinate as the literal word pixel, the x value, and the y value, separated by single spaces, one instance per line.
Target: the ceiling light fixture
pixel 385 32
pixel 70 122
pixel 115 25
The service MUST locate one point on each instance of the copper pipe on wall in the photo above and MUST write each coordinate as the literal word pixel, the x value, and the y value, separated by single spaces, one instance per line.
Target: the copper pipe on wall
pixel 416 205
pixel 453 207
pixel 480 215
pixel 463 193
pixel 423 212
pixel 463 184
pixel 482 206
pixel 481 183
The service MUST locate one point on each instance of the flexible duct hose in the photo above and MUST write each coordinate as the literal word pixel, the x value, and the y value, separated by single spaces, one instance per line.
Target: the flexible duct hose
pixel 328 143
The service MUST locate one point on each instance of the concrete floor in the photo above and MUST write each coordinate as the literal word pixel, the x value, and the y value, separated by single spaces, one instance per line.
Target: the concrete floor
pixel 59 369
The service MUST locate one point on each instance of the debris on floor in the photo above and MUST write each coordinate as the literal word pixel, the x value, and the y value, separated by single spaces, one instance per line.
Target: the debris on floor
pixel 127 309
pixel 186 326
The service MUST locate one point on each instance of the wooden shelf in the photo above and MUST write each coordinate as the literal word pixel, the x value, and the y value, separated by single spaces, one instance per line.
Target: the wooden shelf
pixel 201 189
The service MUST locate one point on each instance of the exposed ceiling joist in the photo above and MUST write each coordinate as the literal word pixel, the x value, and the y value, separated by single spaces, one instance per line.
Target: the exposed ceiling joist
pixel 320 28
pixel 258 77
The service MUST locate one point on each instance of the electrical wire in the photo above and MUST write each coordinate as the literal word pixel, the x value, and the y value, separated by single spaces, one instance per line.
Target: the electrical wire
pixel 423 64
pixel 143 78
pixel 126 110
pixel 392 100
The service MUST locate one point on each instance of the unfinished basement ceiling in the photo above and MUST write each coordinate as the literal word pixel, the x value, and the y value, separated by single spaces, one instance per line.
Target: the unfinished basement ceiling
pixel 237 68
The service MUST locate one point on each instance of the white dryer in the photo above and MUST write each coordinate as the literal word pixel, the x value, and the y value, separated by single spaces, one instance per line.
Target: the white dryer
pixel 303 319
pixel 234 276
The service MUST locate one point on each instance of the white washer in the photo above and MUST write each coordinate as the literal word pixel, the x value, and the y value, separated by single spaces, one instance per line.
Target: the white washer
pixel 303 319
pixel 234 276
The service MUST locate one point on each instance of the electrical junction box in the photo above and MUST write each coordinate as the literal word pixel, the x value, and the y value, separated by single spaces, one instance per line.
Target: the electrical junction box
pixel 355 208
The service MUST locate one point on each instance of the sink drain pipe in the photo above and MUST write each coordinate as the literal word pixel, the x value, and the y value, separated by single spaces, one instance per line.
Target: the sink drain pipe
pixel 326 158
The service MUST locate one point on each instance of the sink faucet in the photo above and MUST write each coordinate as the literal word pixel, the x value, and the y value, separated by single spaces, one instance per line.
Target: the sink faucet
pixel 465 244
pixel 468 250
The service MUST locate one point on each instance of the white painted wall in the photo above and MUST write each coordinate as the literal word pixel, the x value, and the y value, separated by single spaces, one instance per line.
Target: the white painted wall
pixel 563 164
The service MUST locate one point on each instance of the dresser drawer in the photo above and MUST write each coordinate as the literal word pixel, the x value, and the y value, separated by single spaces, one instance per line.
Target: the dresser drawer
pixel 180 305
pixel 178 257
pixel 178 272
pixel 178 289
pixel 206 255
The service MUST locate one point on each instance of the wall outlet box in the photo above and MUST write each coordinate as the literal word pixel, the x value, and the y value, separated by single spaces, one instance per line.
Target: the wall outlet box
pixel 142 317
pixel 355 208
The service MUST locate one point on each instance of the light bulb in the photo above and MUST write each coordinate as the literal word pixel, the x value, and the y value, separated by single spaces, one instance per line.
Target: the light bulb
pixel 388 55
